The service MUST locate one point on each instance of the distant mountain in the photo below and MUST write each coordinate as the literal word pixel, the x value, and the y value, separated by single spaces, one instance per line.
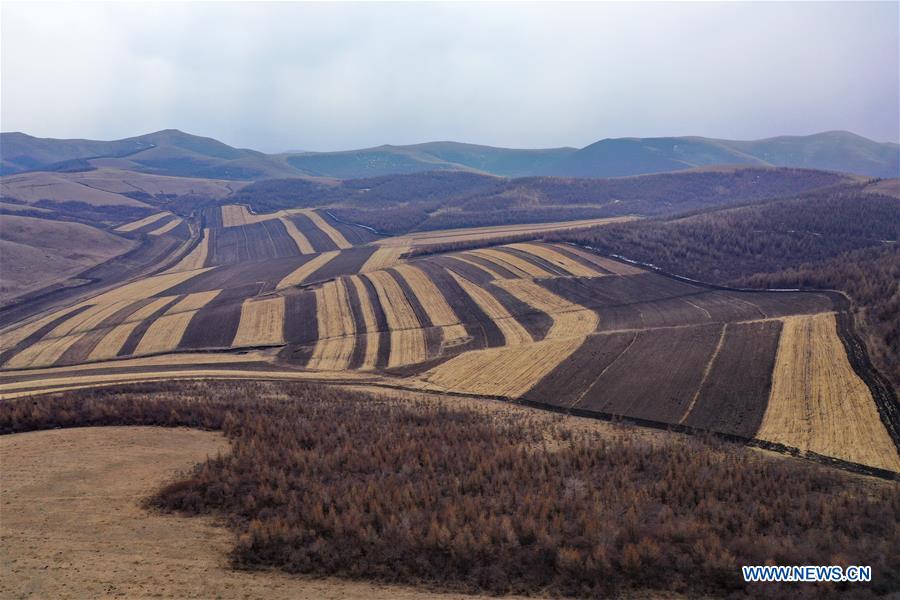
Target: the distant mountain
pixel 431 156
pixel 172 152
pixel 167 152
pixel 832 150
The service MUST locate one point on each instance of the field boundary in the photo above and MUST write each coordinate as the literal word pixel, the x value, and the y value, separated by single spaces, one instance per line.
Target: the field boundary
pixel 776 447
pixel 881 391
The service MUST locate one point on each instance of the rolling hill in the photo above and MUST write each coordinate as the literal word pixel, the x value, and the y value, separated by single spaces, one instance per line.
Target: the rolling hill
pixel 172 152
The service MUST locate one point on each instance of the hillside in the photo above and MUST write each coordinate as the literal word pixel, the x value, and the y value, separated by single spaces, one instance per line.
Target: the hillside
pixel 843 238
pixel 172 152
pixel 39 252
pixel 167 152
pixel 296 294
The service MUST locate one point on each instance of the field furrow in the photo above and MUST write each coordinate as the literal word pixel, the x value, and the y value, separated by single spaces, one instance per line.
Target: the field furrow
pixel 262 322
pixel 535 260
pixel 113 341
pixel 15 338
pixel 520 266
pixel 165 333
pixel 336 326
pixel 562 261
pixel 734 396
pixel 80 350
pixel 818 402
pixel 237 215
pixel 301 273
pixel 384 257
pixel 407 336
pixel 370 340
pixel 303 245
pixel 482 264
pixel 336 236
pixel 147 287
pixel 196 258
pixel 167 227
pixel 656 376
pixel 568 318
pixel 135 225
pixel 513 332
pixel 439 312
pixel 613 266
pixel 507 371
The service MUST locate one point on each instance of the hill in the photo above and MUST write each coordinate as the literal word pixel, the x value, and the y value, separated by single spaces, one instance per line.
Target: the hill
pixel 172 152
pixel 841 238
pixel 833 150
pixel 167 152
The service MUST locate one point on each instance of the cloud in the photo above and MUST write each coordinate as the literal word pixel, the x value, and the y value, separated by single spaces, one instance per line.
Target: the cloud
pixel 332 76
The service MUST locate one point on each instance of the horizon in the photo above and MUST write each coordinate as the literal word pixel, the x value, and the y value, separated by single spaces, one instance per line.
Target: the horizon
pixel 333 77
pixel 449 141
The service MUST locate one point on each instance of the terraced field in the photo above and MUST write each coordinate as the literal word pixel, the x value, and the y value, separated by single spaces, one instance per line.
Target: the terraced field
pixel 297 294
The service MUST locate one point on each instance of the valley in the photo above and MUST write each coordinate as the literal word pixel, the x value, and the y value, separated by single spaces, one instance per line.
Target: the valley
pixel 298 294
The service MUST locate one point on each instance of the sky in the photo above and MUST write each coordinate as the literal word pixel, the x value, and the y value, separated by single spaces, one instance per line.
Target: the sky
pixel 332 76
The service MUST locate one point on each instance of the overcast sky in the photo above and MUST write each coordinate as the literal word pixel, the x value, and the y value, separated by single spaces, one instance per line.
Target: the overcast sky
pixel 336 76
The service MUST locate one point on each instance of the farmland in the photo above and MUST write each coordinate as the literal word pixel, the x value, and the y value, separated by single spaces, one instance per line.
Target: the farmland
pixel 552 324
pixel 220 311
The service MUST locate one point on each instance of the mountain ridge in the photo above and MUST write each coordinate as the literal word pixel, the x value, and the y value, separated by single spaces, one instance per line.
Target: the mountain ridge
pixel 174 152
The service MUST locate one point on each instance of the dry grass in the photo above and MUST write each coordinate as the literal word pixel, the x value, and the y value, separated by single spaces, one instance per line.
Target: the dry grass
pixel 14 377
pixel 167 227
pixel 61 187
pixel 165 333
pixel 336 236
pixel 447 236
pixel 14 334
pixel 478 265
pixel 86 319
pixel 142 222
pixel 303 245
pixel 434 303
pixel 196 258
pixel 407 337
pixel 75 381
pixel 44 352
pixel 194 301
pixel 513 332
pixel 371 324
pixel 508 372
pixel 817 401
pixel 146 287
pixel 300 274
pixel 610 265
pixel 262 322
pixel 556 258
pixel 519 266
pixel 336 327
pixel 36 253
pixel 236 215
pixel 51 347
pixel 384 257
pixel 113 341
pixel 568 318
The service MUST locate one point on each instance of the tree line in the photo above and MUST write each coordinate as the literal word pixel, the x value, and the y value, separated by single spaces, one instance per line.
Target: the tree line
pixel 337 483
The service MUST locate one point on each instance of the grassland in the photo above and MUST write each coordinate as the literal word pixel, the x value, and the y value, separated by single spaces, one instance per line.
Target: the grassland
pixel 39 252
